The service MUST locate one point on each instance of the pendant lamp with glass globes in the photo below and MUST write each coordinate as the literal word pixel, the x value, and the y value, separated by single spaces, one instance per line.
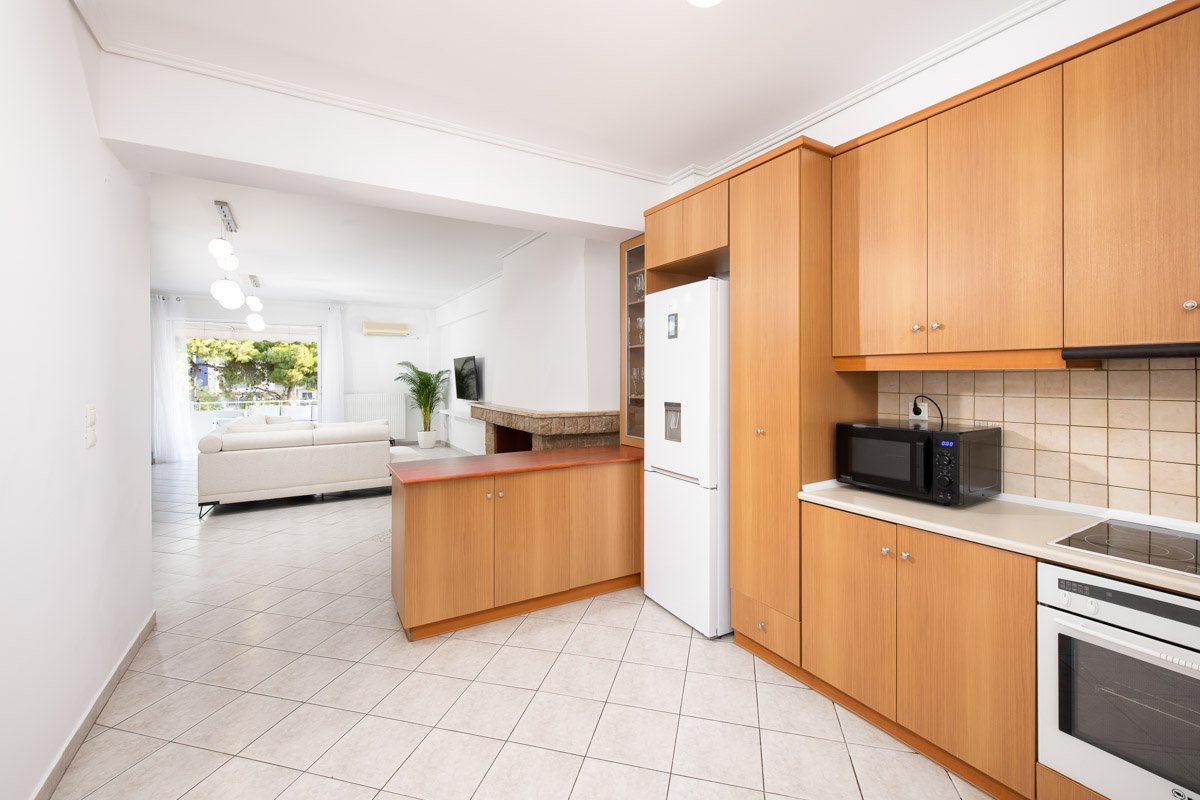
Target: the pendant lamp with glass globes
pixel 227 293
pixel 228 263
pixel 220 247
pixel 253 303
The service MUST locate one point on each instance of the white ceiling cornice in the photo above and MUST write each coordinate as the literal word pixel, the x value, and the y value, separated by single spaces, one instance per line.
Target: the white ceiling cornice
pixel 95 18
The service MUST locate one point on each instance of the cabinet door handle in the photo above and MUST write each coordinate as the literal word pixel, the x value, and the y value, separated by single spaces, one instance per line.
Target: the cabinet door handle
pixel 488 495
pixel 499 494
pixel 918 328
pixel 760 431
pixel 1189 305
pixel 762 626
pixel 937 326
pixel 905 556
pixel 883 551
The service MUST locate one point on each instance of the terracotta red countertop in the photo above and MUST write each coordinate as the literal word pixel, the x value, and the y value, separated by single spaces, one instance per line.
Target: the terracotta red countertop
pixel 448 469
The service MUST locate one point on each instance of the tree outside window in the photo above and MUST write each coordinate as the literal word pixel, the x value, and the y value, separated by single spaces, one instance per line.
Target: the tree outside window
pixel 224 371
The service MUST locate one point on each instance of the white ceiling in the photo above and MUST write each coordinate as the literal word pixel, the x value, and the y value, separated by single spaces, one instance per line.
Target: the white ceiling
pixel 311 248
pixel 650 87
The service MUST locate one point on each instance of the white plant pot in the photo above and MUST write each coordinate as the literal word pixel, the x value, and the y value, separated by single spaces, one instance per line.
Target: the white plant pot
pixel 426 439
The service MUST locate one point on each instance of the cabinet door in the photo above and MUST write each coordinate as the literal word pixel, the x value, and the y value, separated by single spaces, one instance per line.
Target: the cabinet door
pixel 688 227
pixel 606 521
pixel 532 534
pixel 966 661
pixel 879 253
pixel 995 220
pixel 1132 172
pixel 764 383
pixel 448 549
pixel 664 235
pixel 848 581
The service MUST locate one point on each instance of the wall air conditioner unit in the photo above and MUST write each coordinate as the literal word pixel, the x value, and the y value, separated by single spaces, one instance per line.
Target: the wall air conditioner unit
pixel 385 329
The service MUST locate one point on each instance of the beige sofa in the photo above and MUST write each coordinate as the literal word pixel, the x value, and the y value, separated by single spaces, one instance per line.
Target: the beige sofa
pixel 262 458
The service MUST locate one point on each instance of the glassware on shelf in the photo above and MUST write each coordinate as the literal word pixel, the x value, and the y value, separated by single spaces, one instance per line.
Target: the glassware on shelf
pixel 641 330
pixel 639 287
pixel 635 382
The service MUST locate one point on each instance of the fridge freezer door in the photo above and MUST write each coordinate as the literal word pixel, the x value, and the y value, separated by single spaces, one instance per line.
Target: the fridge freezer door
pixel 686 566
pixel 682 381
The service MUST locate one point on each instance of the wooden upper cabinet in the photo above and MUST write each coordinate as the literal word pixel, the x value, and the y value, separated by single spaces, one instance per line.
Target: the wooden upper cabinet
pixel 533 537
pixel 764 351
pixel 966 657
pixel 848 587
pixel 692 226
pixel 995 220
pixel 1132 174
pixel 879 253
pixel 606 521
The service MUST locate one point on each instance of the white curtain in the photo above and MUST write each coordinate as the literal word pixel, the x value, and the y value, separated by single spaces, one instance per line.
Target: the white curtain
pixel 330 368
pixel 171 438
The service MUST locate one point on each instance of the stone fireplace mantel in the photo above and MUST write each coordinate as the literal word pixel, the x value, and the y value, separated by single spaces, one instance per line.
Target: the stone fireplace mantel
pixel 510 429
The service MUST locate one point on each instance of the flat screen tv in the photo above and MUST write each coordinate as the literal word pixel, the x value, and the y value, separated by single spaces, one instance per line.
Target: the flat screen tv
pixel 466 378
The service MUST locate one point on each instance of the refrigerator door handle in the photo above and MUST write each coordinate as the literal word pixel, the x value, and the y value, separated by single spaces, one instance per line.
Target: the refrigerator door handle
pixel 679 475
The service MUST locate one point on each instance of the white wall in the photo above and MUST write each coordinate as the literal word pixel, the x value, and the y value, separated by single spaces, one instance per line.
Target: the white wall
pixel 370 361
pixel 468 325
pixel 75 580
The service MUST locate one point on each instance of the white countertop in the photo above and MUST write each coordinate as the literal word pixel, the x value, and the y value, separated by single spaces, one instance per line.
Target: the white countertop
pixel 1020 527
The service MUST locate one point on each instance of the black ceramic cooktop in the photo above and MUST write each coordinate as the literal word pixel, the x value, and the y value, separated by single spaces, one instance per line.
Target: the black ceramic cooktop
pixel 1145 544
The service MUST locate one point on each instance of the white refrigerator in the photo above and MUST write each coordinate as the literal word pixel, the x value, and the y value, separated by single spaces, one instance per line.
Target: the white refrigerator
pixel 686 564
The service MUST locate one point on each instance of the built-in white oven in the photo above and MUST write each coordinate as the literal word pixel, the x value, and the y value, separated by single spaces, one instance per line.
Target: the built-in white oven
pixel 1118 686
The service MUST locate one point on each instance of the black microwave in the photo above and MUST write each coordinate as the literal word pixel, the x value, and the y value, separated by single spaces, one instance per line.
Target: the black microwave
pixel 955 465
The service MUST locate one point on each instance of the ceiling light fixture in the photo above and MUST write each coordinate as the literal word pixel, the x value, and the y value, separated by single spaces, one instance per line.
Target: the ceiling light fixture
pixel 227 293
pixel 228 263
pixel 220 247
pixel 255 322
pixel 704 3
pixel 253 303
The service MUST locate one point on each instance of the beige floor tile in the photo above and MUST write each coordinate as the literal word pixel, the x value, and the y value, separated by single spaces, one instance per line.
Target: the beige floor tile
pixel 421 698
pixel 457 658
pixel 720 698
pixel 135 692
pixel 101 759
pixel 567 612
pixel 257 629
pixel 801 711
pixel 582 676
pixel 655 618
pixel 966 790
pixel 604 780
pixel 765 673
pixel 399 653
pixel 234 726
pixel 495 632
pixel 857 730
pixel 300 738
pixel 636 736
pixel 249 669
pixel 559 722
pixel 302 678
pixel 656 688
pixel 315 787
pixel 159 647
pixel 345 609
pixel 303 603
pixel 684 788
pixel 351 643
pixel 718 751
pixel 447 765
pixel 242 779
pixel 179 711
pixel 801 766
pixel 720 658
pixel 212 622
pixel 518 666
pixel 262 598
pixel 371 752
pixel 168 772
pixel 487 710
pixel 303 636
pixel 521 772
pixel 359 688
pixel 382 615
pixel 543 634
pixel 615 614
pixel 658 650
pixel 598 641
pixel 891 775
pixel 195 661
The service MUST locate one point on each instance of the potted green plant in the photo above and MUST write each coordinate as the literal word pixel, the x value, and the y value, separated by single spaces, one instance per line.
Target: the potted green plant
pixel 427 389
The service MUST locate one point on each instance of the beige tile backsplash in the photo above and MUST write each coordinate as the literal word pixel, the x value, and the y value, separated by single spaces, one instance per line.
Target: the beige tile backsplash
pixel 1124 437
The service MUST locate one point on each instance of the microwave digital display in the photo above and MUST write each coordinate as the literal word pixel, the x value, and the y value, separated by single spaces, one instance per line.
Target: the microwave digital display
pixel 947 443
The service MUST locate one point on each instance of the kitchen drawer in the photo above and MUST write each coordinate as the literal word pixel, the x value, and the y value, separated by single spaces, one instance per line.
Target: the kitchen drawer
pixel 779 633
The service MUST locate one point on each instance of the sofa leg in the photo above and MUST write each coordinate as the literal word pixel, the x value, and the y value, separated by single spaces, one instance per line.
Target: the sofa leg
pixel 204 512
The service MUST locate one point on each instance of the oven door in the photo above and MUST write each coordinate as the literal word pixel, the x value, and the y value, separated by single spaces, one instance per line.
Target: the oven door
pixel 893 460
pixel 1117 712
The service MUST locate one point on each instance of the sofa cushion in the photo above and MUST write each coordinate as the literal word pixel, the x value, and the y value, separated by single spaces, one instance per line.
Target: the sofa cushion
pixel 262 440
pixel 348 432
pixel 278 420
pixel 210 443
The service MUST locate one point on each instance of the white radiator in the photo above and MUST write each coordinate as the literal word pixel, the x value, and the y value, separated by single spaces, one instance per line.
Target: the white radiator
pixel 381 405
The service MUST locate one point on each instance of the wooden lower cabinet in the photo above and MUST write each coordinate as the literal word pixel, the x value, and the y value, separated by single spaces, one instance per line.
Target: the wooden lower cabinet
pixel 448 574
pixel 938 634
pixel 966 662
pixel 1053 786
pixel 777 632
pixel 606 522
pixel 533 529
pixel 848 593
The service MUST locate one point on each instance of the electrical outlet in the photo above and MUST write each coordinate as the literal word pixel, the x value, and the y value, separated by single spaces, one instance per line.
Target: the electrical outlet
pixel 89 438
pixel 89 426
pixel 919 411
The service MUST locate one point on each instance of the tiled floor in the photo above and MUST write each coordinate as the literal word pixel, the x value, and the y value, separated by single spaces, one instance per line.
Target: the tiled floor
pixel 278 671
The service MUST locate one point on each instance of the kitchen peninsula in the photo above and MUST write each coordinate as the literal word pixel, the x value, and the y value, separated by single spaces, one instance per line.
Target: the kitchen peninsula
pixel 484 537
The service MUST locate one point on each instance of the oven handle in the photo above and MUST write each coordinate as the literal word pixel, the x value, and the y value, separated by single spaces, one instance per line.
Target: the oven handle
pixel 1170 662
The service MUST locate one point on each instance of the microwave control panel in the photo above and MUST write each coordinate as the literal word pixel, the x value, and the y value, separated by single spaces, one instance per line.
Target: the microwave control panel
pixel 945 469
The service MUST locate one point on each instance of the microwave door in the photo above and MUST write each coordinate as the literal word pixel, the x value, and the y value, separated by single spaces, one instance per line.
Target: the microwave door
pixel 891 461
